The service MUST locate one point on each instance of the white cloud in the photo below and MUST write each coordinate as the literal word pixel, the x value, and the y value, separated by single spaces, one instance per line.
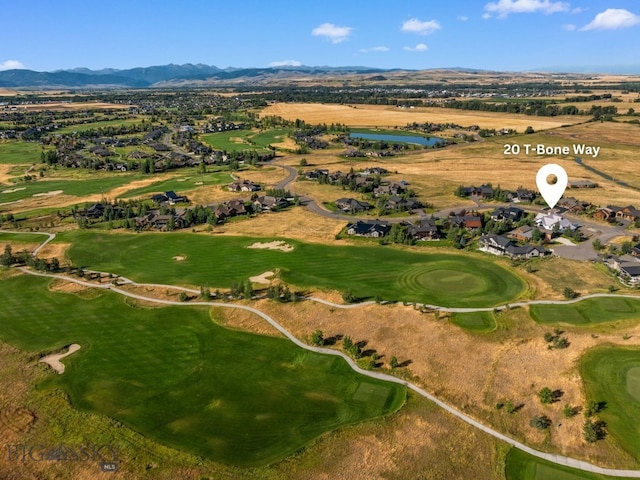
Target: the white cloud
pixel 613 19
pixel 381 48
pixel 11 65
pixel 486 16
pixel 286 63
pixel 335 33
pixel 578 10
pixel 463 18
pixel 504 7
pixel 421 47
pixel 569 27
pixel 421 28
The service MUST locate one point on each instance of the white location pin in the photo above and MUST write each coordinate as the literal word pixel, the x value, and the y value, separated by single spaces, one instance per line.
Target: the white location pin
pixel 552 192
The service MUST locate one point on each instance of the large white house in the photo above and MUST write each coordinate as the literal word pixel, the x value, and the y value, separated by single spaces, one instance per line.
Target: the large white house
pixel 549 221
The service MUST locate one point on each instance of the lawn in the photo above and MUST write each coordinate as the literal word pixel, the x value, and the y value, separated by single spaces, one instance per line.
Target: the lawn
pixel 175 376
pixel 14 238
pixel 612 375
pixel 369 271
pixel 81 127
pixel 77 188
pixel 591 311
pixel 475 321
pixel 181 184
pixel 522 466
pixel 19 152
pixel 237 140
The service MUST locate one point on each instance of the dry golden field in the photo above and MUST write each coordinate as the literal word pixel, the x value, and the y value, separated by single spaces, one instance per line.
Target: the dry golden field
pixel 471 371
pixel 388 116
pixel 62 106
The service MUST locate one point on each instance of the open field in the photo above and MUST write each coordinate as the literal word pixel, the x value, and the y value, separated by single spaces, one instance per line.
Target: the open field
pixel 611 374
pixel 522 466
pixel 21 241
pixel 588 312
pixel 436 278
pixel 170 379
pixel 389 116
pixel 18 152
pixel 70 106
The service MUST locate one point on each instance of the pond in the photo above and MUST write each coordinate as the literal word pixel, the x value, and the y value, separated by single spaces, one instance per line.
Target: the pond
pixel 380 137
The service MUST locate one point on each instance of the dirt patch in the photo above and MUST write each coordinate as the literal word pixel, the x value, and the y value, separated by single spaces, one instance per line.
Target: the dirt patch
pixel 119 191
pixel 67 287
pixel 48 194
pixel 180 258
pixel 53 360
pixel 275 245
pixel 54 250
pixel 266 277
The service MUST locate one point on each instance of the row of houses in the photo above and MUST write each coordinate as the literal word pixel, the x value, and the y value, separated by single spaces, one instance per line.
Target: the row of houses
pixel 394 203
pixel 487 191
pixel 614 213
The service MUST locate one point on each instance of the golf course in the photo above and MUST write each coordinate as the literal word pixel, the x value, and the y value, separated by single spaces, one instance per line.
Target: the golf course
pixel 368 271
pixel 612 375
pixel 590 311
pixel 181 379
pixel 522 466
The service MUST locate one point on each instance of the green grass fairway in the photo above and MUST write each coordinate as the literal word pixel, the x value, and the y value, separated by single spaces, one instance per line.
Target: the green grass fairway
pixel 588 312
pixel 522 466
pixel 394 274
pixel 612 375
pixel 475 321
pixel 17 238
pixel 175 376
pixel 19 152
pixel 81 127
pixel 181 184
pixel 77 188
pixel 237 140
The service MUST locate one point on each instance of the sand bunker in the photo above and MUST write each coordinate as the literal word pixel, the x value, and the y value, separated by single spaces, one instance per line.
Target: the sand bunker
pixel 11 190
pixel 264 278
pixel 47 194
pixel 180 258
pixel 275 245
pixel 53 360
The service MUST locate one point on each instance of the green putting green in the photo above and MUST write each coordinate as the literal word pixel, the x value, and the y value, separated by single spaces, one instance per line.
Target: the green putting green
pixel 447 279
pixel 612 375
pixel 175 376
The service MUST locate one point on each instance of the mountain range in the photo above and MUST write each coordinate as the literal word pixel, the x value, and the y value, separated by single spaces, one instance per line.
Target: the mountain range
pixel 159 76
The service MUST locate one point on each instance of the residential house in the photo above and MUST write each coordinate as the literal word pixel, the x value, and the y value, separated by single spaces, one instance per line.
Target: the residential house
pixel 604 214
pixel 169 197
pixel 627 266
pixel 401 204
pixel 501 245
pixel 375 171
pixel 351 205
pixel 573 205
pixel 243 186
pixel 376 229
pixel 629 212
pixel 468 222
pixel 267 203
pixel 522 234
pixel 502 214
pixel 582 184
pixel 392 188
pixel 524 195
pixel 549 222
pixel 426 229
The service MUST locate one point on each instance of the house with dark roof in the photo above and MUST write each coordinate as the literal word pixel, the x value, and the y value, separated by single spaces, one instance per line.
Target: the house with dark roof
pixel 351 205
pixel 501 245
pixel 376 229
pixel 502 214
pixel 243 186
pixel 604 214
pixel 267 203
pixel 522 234
pixel 629 212
pixel 425 229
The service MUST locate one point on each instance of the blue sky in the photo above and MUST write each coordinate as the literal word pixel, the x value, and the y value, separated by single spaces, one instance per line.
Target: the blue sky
pixel 496 35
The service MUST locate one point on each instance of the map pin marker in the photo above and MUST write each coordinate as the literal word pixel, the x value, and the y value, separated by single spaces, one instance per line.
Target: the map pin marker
pixel 552 192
